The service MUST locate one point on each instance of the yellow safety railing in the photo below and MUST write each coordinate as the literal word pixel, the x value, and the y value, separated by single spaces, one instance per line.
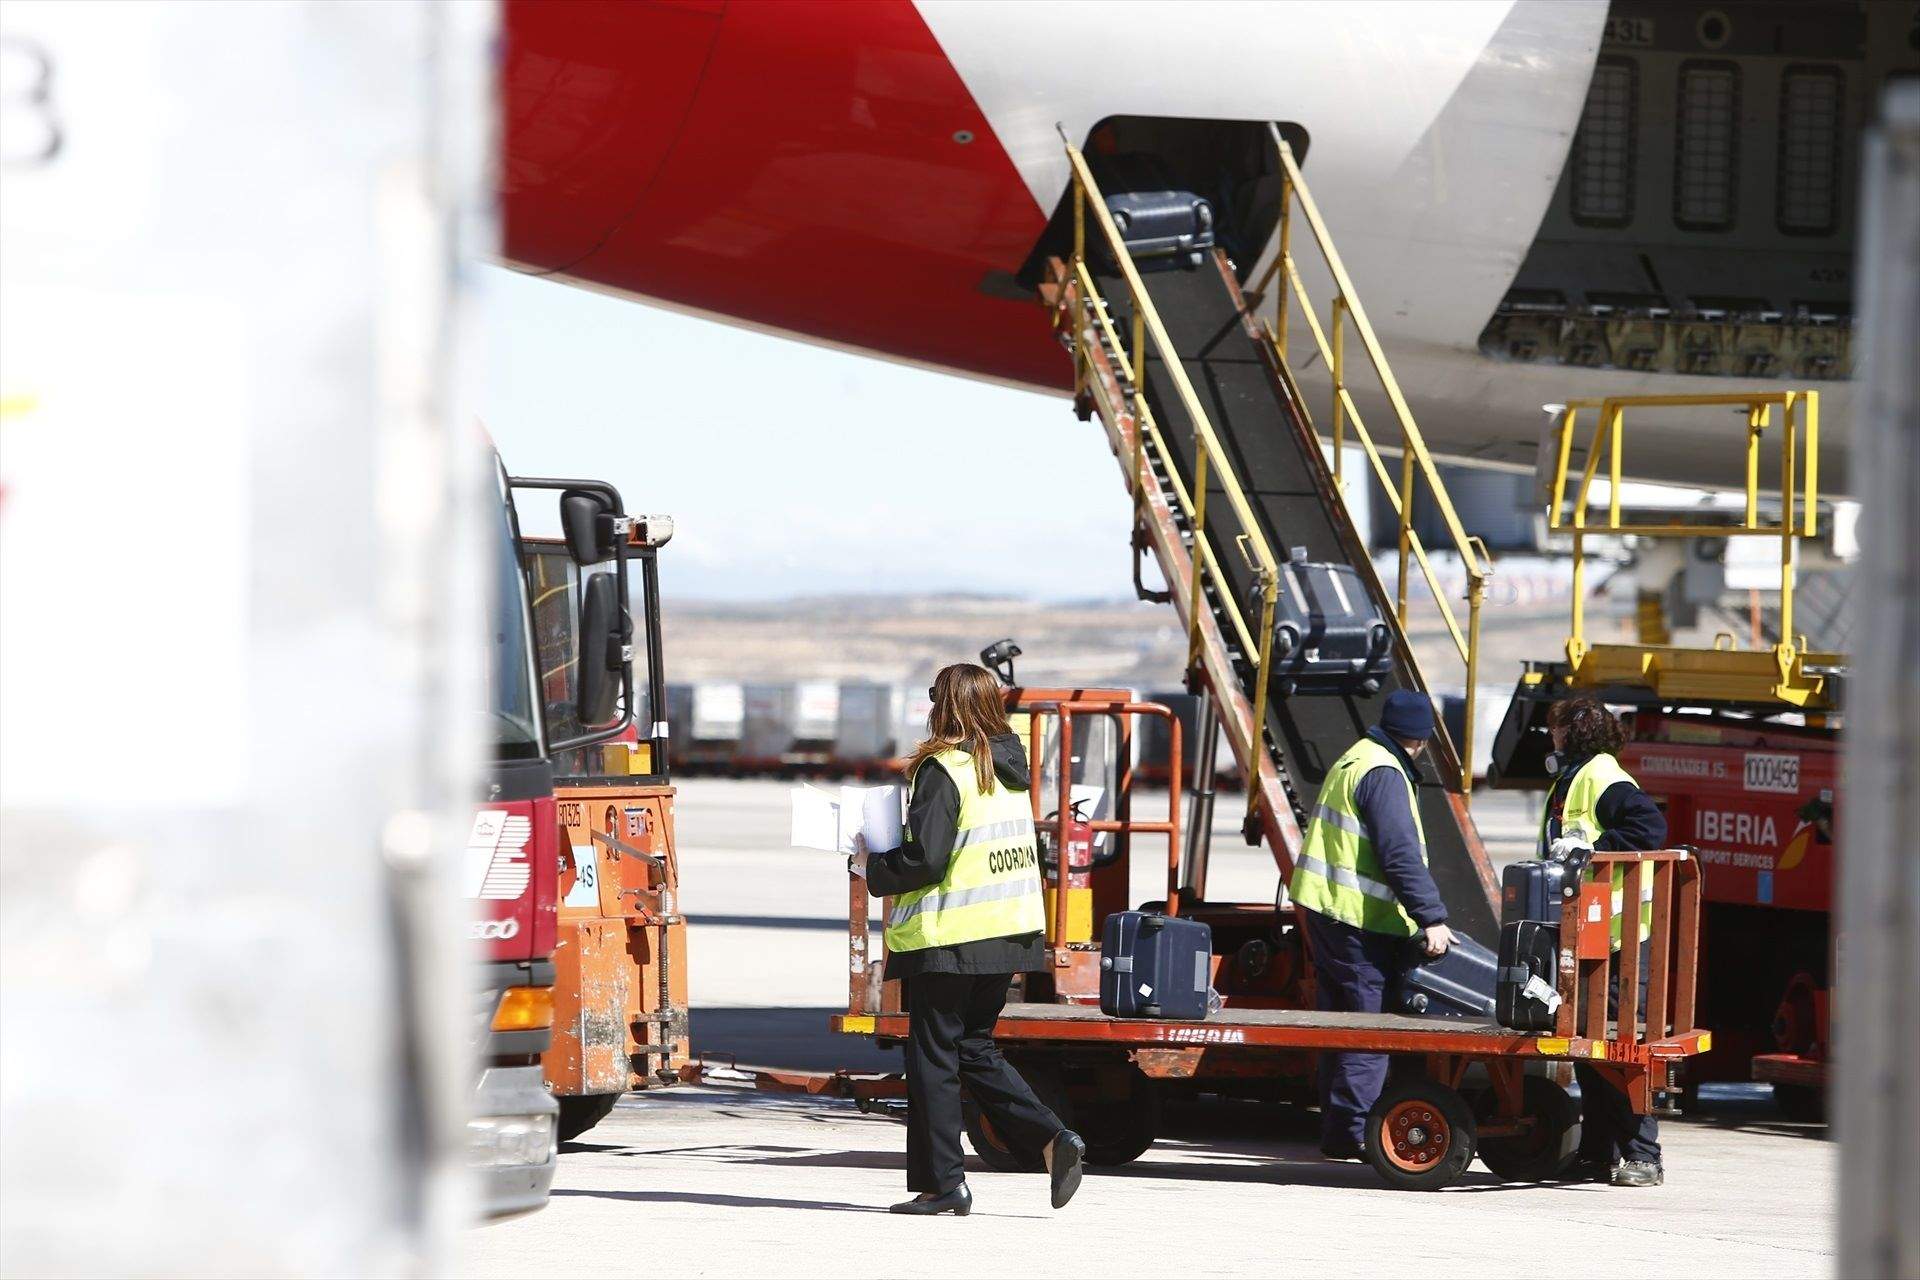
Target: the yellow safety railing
pixel 1799 489
pixel 1345 310
pixel 1211 462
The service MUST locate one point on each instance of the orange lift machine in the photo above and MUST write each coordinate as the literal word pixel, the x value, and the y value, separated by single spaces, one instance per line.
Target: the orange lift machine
pixel 620 961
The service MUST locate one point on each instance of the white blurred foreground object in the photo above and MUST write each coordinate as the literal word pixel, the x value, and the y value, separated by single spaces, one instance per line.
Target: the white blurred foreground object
pixel 239 632
pixel 1877 1027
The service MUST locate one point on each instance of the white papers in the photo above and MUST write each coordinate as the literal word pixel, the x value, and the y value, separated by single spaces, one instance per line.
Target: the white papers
pixel 879 815
pixel 829 820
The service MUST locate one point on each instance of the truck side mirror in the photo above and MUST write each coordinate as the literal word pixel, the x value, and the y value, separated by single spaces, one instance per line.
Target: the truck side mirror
pixel 603 643
pixel 586 519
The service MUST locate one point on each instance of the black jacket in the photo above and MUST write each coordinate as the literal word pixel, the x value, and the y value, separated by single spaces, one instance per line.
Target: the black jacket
pixel 1630 822
pixel 933 818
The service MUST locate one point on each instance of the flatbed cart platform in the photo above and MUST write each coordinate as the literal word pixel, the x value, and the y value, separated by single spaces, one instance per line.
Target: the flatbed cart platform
pixel 1423 1133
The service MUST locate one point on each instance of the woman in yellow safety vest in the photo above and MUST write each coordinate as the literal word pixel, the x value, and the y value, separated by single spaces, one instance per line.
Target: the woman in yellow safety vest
pixel 967 915
pixel 1595 804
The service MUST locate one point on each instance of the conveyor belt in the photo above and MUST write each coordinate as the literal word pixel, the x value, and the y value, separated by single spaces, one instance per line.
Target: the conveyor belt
pixel 1268 449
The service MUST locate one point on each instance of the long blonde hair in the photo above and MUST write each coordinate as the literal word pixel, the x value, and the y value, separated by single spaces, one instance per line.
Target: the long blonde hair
pixel 967 711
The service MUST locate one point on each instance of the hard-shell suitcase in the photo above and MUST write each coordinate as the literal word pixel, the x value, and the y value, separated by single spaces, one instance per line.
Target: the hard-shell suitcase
pixel 1163 228
pixel 1527 998
pixel 1460 984
pixel 1328 637
pixel 1155 966
pixel 1535 890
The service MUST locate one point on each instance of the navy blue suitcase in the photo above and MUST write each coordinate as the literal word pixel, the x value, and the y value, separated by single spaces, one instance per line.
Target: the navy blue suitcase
pixel 1527 997
pixel 1328 635
pixel 1535 890
pixel 1163 228
pixel 1155 966
pixel 1460 984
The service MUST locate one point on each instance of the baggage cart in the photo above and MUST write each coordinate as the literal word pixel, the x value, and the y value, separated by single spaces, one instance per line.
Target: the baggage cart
pixel 1461 1087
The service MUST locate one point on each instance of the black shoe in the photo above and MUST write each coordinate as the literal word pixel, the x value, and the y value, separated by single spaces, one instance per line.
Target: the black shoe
pixel 958 1202
pixel 1064 1166
pixel 1343 1150
pixel 1638 1173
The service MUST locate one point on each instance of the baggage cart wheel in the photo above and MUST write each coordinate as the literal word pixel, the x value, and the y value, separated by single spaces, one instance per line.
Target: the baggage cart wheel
pixel 581 1112
pixel 1543 1152
pixel 994 1150
pixel 1419 1135
pixel 1119 1129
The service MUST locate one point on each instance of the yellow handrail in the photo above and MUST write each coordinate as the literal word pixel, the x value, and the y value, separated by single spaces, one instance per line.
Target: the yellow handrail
pixel 1799 487
pixel 1211 462
pixel 1415 459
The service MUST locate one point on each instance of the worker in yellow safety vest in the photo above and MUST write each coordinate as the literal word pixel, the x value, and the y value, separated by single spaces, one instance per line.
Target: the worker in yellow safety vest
pixel 1595 804
pixel 1362 878
pixel 967 915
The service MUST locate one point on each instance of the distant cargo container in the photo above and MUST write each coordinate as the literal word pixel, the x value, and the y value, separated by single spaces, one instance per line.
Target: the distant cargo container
pixel 767 723
pixel 864 722
pixel 816 718
pixel 717 712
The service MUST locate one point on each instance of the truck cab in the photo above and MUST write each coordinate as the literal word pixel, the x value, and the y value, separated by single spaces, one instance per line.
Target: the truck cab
pixel 513 860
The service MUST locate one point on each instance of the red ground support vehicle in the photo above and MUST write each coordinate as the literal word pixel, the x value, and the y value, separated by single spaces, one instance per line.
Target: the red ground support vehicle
pixel 511 867
pixel 1757 800
pixel 1739 745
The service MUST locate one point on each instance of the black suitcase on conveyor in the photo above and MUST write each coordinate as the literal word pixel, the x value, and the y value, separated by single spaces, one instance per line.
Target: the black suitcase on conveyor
pixel 1527 998
pixel 1535 890
pixel 1460 984
pixel 1163 228
pixel 1155 966
pixel 1327 635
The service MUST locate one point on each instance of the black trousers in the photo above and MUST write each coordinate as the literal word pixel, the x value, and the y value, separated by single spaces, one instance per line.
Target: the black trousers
pixel 950 1045
pixel 1609 1129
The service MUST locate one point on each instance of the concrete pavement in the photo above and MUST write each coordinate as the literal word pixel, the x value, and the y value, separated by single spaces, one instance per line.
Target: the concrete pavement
pixel 727 1182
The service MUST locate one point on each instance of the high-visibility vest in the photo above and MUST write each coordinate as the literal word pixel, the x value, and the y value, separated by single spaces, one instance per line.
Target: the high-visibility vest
pixel 992 885
pixel 1580 816
pixel 1338 873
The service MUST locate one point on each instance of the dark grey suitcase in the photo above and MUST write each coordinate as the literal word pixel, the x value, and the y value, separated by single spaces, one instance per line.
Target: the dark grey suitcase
pixel 1163 228
pixel 1527 998
pixel 1460 984
pixel 1327 635
pixel 1155 966
pixel 1536 890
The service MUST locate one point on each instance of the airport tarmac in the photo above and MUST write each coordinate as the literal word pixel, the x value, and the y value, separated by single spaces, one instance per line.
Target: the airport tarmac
pixel 728 1181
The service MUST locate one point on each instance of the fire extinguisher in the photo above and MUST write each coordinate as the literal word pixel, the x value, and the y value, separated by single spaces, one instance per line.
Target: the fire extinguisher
pixel 1079 875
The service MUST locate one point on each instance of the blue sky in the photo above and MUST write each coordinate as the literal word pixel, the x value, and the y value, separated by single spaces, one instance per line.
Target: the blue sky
pixel 795 470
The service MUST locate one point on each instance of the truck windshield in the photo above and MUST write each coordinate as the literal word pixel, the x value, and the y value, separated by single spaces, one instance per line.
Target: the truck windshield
pixel 555 582
pixel 514 710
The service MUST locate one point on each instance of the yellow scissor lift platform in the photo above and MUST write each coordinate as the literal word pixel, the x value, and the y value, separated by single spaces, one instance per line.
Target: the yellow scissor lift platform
pixel 1787 675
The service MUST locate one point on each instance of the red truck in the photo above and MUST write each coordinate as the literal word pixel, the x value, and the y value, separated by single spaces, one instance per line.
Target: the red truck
pixel 1756 798
pixel 511 865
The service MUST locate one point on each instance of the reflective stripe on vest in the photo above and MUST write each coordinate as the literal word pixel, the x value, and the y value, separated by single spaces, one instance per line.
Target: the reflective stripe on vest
pixel 992 885
pixel 1580 816
pixel 1337 873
